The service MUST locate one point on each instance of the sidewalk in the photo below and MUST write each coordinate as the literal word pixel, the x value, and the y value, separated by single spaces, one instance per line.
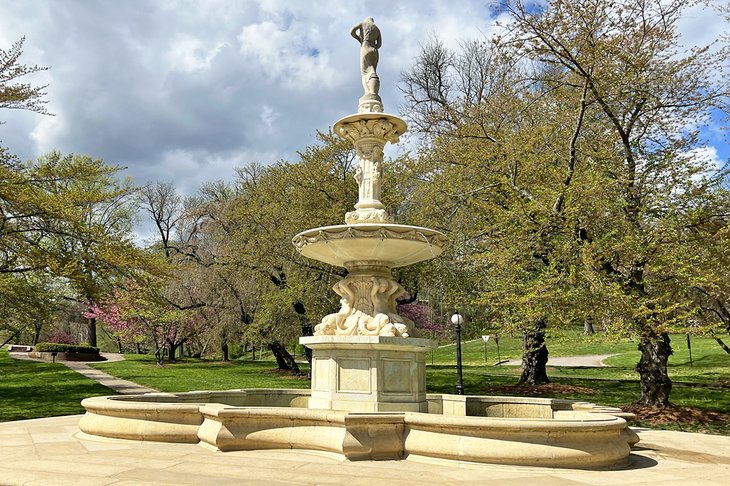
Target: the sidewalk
pixel 54 451
pixel 124 387
pixel 591 361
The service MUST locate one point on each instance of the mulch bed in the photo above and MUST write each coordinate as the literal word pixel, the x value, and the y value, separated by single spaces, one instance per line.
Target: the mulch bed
pixel 539 390
pixel 286 374
pixel 676 414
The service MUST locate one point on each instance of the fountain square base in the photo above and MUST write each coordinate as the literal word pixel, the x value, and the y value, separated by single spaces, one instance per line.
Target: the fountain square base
pixel 368 373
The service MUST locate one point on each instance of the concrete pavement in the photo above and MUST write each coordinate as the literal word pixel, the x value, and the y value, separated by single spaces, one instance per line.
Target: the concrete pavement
pixel 52 451
pixel 591 361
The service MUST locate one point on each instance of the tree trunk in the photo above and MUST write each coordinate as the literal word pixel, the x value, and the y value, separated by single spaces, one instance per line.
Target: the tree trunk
pixel 652 369
pixel 171 352
pixel 307 330
pixel 181 346
pixel 9 339
pixel 37 333
pixel 534 356
pixel 284 360
pixel 139 348
pixel 224 350
pixel 119 344
pixel 588 325
pixel 723 345
pixel 92 331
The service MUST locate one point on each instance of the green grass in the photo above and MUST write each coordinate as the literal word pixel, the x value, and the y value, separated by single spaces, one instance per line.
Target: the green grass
pixel 44 389
pixel 698 385
pixel 30 389
pixel 709 362
pixel 197 374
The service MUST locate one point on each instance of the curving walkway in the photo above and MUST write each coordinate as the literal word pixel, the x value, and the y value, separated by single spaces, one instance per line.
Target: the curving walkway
pixel 123 387
pixel 589 361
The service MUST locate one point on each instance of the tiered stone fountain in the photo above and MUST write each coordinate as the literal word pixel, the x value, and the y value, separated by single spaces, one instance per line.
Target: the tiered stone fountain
pixel 364 356
pixel 368 396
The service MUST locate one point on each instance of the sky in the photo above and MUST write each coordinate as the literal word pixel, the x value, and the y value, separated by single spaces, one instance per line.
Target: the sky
pixel 186 91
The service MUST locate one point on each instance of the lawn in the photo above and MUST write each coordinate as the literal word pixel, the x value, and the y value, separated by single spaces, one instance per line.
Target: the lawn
pixel 198 374
pixel 31 389
pixel 56 390
pixel 705 384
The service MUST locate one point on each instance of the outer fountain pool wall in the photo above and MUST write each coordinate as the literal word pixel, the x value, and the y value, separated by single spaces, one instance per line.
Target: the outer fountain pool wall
pixel 498 430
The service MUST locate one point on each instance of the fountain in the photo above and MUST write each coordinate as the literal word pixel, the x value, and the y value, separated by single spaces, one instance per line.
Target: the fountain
pixel 368 395
pixel 364 358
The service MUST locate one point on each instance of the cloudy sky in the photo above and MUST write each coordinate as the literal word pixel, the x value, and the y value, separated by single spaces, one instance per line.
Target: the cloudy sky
pixel 185 91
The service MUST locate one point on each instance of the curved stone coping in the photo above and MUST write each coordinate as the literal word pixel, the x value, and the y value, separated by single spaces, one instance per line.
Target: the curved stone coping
pixel 573 439
pixel 394 245
pixel 581 441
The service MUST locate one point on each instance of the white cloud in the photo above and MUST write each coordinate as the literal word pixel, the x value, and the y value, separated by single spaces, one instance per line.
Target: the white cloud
pixel 706 157
pixel 46 131
pixel 184 91
pixel 288 54
pixel 189 54
pixel 268 116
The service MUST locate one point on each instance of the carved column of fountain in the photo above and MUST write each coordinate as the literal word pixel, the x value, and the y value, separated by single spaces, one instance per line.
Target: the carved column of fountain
pixel 364 357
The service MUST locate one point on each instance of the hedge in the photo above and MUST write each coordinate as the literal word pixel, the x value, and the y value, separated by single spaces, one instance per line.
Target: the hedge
pixel 66 348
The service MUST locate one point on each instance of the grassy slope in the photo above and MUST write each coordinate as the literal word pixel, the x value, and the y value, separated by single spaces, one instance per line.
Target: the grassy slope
pixel 197 374
pixel 31 390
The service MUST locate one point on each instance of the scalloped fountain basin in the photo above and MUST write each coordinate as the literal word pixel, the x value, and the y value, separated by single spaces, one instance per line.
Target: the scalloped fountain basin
pixel 498 430
pixel 395 245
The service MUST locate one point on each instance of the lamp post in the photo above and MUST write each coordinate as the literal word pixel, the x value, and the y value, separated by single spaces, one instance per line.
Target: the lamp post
pixel 457 321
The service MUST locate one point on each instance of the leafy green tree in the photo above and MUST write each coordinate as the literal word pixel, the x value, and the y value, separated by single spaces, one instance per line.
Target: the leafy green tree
pixel 91 245
pixel 15 95
pixel 499 170
pixel 559 161
pixel 651 93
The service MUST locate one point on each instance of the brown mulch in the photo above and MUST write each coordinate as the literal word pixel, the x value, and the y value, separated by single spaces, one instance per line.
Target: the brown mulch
pixel 676 414
pixel 286 374
pixel 539 390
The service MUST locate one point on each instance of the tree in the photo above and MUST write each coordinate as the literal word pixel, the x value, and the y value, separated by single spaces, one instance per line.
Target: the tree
pixel 19 96
pixel 259 288
pixel 92 245
pixel 629 57
pixel 499 163
pixel 557 158
pixel 137 314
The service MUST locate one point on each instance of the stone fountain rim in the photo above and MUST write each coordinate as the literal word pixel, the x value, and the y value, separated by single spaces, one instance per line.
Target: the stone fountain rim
pixel 355 117
pixel 371 228
pixel 337 235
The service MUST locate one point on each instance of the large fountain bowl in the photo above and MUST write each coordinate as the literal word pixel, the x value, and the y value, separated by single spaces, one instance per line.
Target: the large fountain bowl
pixel 393 245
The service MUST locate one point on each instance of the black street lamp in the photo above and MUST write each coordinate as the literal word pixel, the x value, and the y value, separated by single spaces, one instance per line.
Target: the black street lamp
pixel 457 321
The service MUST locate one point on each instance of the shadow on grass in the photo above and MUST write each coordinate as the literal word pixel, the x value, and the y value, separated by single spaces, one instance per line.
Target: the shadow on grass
pixel 31 389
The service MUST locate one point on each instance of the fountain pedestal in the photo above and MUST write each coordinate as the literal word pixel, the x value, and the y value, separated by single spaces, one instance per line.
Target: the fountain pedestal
pixel 368 373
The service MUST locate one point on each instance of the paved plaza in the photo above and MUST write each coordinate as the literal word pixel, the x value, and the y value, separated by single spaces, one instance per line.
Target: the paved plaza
pixel 52 451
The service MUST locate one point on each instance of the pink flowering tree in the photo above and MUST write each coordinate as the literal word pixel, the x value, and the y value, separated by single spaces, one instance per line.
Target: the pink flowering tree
pixel 138 316
pixel 61 337
pixel 422 315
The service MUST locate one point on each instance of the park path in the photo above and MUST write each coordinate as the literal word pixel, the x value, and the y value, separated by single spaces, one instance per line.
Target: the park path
pixel 590 361
pixel 123 387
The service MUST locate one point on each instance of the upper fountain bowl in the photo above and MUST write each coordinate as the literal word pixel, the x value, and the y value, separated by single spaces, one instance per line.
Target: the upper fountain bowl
pixel 392 245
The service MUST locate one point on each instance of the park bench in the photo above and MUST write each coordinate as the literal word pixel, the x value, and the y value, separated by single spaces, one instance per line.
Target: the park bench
pixel 14 348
